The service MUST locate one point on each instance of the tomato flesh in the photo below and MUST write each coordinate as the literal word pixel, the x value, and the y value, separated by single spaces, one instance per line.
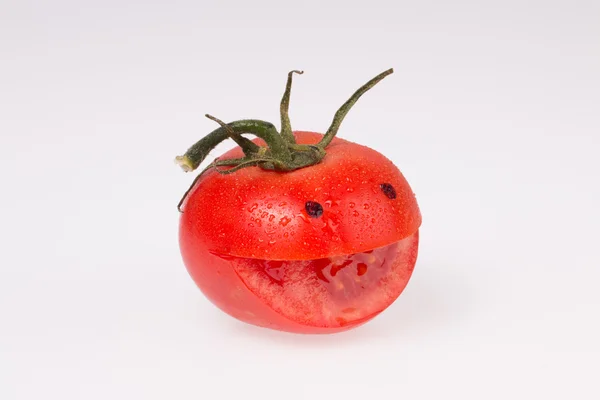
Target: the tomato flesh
pixel 308 296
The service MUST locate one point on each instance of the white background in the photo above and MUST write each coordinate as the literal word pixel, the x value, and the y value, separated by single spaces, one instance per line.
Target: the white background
pixel 493 114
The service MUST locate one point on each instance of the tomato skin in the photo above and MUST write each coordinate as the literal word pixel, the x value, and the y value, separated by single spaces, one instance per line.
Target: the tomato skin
pixel 253 214
pixel 261 214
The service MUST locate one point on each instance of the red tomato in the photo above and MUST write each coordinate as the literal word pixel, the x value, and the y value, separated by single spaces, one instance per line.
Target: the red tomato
pixel 315 250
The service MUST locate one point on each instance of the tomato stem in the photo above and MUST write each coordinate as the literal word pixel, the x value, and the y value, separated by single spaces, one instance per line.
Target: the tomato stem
pixel 282 153
pixel 262 129
pixel 247 145
pixel 343 110
pixel 286 126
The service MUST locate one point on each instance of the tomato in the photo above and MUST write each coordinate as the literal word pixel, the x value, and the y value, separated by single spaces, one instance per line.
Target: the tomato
pixel 317 249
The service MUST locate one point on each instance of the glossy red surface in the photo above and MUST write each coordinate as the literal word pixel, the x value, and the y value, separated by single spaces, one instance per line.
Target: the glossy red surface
pixel 318 249
pixel 254 213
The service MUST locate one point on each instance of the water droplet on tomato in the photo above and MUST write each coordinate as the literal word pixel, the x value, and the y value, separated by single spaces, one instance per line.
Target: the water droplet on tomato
pixel 258 223
pixel 350 190
pixel 302 217
pixel 272 241
pixel 254 206
pixel 283 203
pixel 352 205
pixel 285 234
pixel 264 214
pixel 366 206
pixel 332 225
pixel 328 203
pixel 269 205
pixel 284 221
pixel 355 213
pixel 271 218
pixel 251 225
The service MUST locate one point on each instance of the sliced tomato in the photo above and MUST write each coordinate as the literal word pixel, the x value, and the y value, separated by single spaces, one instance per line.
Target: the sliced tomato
pixel 319 249
pixel 309 296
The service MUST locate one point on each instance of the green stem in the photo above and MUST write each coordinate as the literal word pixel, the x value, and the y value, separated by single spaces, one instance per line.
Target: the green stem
pixel 243 163
pixel 229 162
pixel 194 156
pixel 247 145
pixel 282 153
pixel 286 126
pixel 343 110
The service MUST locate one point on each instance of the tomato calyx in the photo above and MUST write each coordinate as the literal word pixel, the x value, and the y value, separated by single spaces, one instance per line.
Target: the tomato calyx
pixel 281 152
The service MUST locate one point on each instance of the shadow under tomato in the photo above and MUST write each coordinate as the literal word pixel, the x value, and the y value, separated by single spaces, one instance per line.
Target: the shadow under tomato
pixel 436 298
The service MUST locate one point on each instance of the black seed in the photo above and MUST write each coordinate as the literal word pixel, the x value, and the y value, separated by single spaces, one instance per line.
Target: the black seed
pixel 388 190
pixel 313 209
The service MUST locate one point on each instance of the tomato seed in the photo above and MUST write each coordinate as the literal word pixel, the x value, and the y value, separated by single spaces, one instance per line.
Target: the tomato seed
pixel 313 209
pixel 388 190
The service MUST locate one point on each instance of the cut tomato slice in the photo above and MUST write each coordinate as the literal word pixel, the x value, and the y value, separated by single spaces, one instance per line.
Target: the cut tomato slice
pixel 331 292
pixel 306 296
